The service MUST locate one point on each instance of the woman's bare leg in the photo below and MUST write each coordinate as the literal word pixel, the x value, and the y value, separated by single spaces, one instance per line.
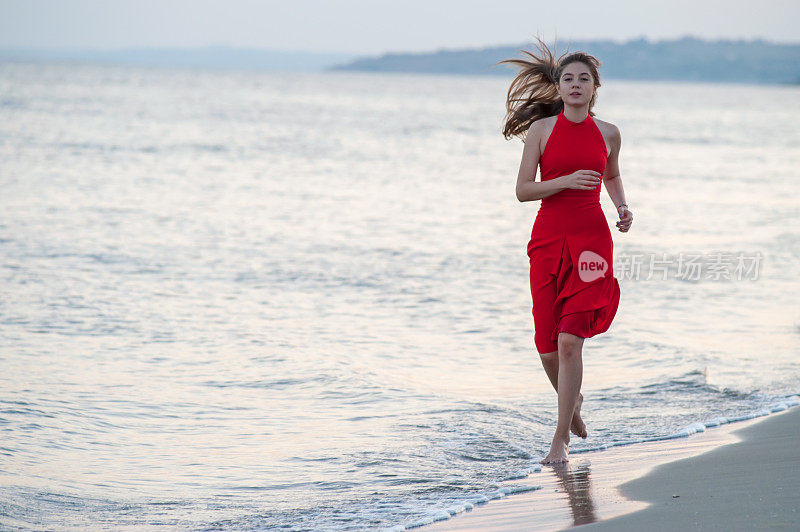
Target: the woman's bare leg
pixel 550 364
pixel 570 375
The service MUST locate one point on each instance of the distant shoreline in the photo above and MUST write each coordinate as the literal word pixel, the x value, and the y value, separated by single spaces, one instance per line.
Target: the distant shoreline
pixel 234 69
pixel 685 59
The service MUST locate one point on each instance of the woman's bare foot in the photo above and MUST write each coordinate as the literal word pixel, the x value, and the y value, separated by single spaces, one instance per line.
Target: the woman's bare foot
pixel 578 427
pixel 559 450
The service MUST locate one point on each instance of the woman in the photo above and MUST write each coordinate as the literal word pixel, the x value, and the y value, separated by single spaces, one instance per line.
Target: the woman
pixel 575 294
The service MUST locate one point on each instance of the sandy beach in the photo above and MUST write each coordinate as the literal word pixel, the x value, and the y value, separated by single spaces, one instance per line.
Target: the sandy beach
pixel 750 485
pixel 742 476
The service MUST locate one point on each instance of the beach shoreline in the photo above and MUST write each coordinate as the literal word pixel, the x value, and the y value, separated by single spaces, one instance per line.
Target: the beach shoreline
pixel 707 480
pixel 749 485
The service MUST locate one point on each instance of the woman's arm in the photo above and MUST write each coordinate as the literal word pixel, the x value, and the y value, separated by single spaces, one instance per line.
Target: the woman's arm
pixel 528 189
pixel 613 182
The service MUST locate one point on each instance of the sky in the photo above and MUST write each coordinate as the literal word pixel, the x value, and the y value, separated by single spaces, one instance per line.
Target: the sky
pixel 372 27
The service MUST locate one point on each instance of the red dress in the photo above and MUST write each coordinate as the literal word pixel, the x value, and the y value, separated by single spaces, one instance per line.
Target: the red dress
pixel 571 252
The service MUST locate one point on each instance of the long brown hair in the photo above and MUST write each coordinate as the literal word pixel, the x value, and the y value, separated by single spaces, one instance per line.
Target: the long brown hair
pixel 533 94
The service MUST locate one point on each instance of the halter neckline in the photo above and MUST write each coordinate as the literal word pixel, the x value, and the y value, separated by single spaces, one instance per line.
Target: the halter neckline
pixel 564 117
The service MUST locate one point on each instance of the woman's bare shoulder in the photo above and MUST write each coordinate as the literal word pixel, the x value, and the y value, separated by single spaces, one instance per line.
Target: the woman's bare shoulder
pixel 545 121
pixel 608 129
pixel 541 129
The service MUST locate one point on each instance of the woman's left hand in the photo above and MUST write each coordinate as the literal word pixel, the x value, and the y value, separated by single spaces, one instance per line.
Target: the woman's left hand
pixel 625 219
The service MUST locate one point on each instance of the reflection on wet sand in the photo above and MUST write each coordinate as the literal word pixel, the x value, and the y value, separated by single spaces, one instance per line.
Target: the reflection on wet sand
pixel 584 490
pixel 576 482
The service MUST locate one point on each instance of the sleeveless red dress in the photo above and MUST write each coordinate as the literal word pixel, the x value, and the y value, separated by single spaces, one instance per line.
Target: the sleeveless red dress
pixel 571 251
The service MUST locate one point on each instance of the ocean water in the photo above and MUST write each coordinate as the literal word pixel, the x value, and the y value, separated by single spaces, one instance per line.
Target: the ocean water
pixel 237 300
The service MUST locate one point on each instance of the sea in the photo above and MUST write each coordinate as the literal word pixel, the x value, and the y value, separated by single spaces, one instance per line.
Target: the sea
pixel 236 300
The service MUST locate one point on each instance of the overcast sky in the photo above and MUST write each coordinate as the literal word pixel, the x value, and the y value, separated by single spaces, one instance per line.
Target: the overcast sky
pixel 379 26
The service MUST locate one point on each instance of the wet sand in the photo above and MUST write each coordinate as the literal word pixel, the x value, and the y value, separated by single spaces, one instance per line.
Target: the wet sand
pixel 718 477
pixel 751 485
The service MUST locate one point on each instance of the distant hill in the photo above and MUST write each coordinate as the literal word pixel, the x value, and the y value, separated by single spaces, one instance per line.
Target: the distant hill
pixel 222 57
pixel 686 59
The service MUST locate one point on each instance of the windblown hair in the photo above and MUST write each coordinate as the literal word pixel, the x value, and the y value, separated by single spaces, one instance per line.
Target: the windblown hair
pixel 534 94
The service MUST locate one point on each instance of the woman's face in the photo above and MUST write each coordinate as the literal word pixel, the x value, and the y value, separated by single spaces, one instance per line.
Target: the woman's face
pixel 576 86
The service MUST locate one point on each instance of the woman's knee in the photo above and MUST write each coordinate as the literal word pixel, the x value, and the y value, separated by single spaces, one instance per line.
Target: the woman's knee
pixel 569 345
pixel 549 359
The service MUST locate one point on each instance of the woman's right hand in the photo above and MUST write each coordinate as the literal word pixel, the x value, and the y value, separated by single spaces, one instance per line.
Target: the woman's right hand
pixel 581 180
